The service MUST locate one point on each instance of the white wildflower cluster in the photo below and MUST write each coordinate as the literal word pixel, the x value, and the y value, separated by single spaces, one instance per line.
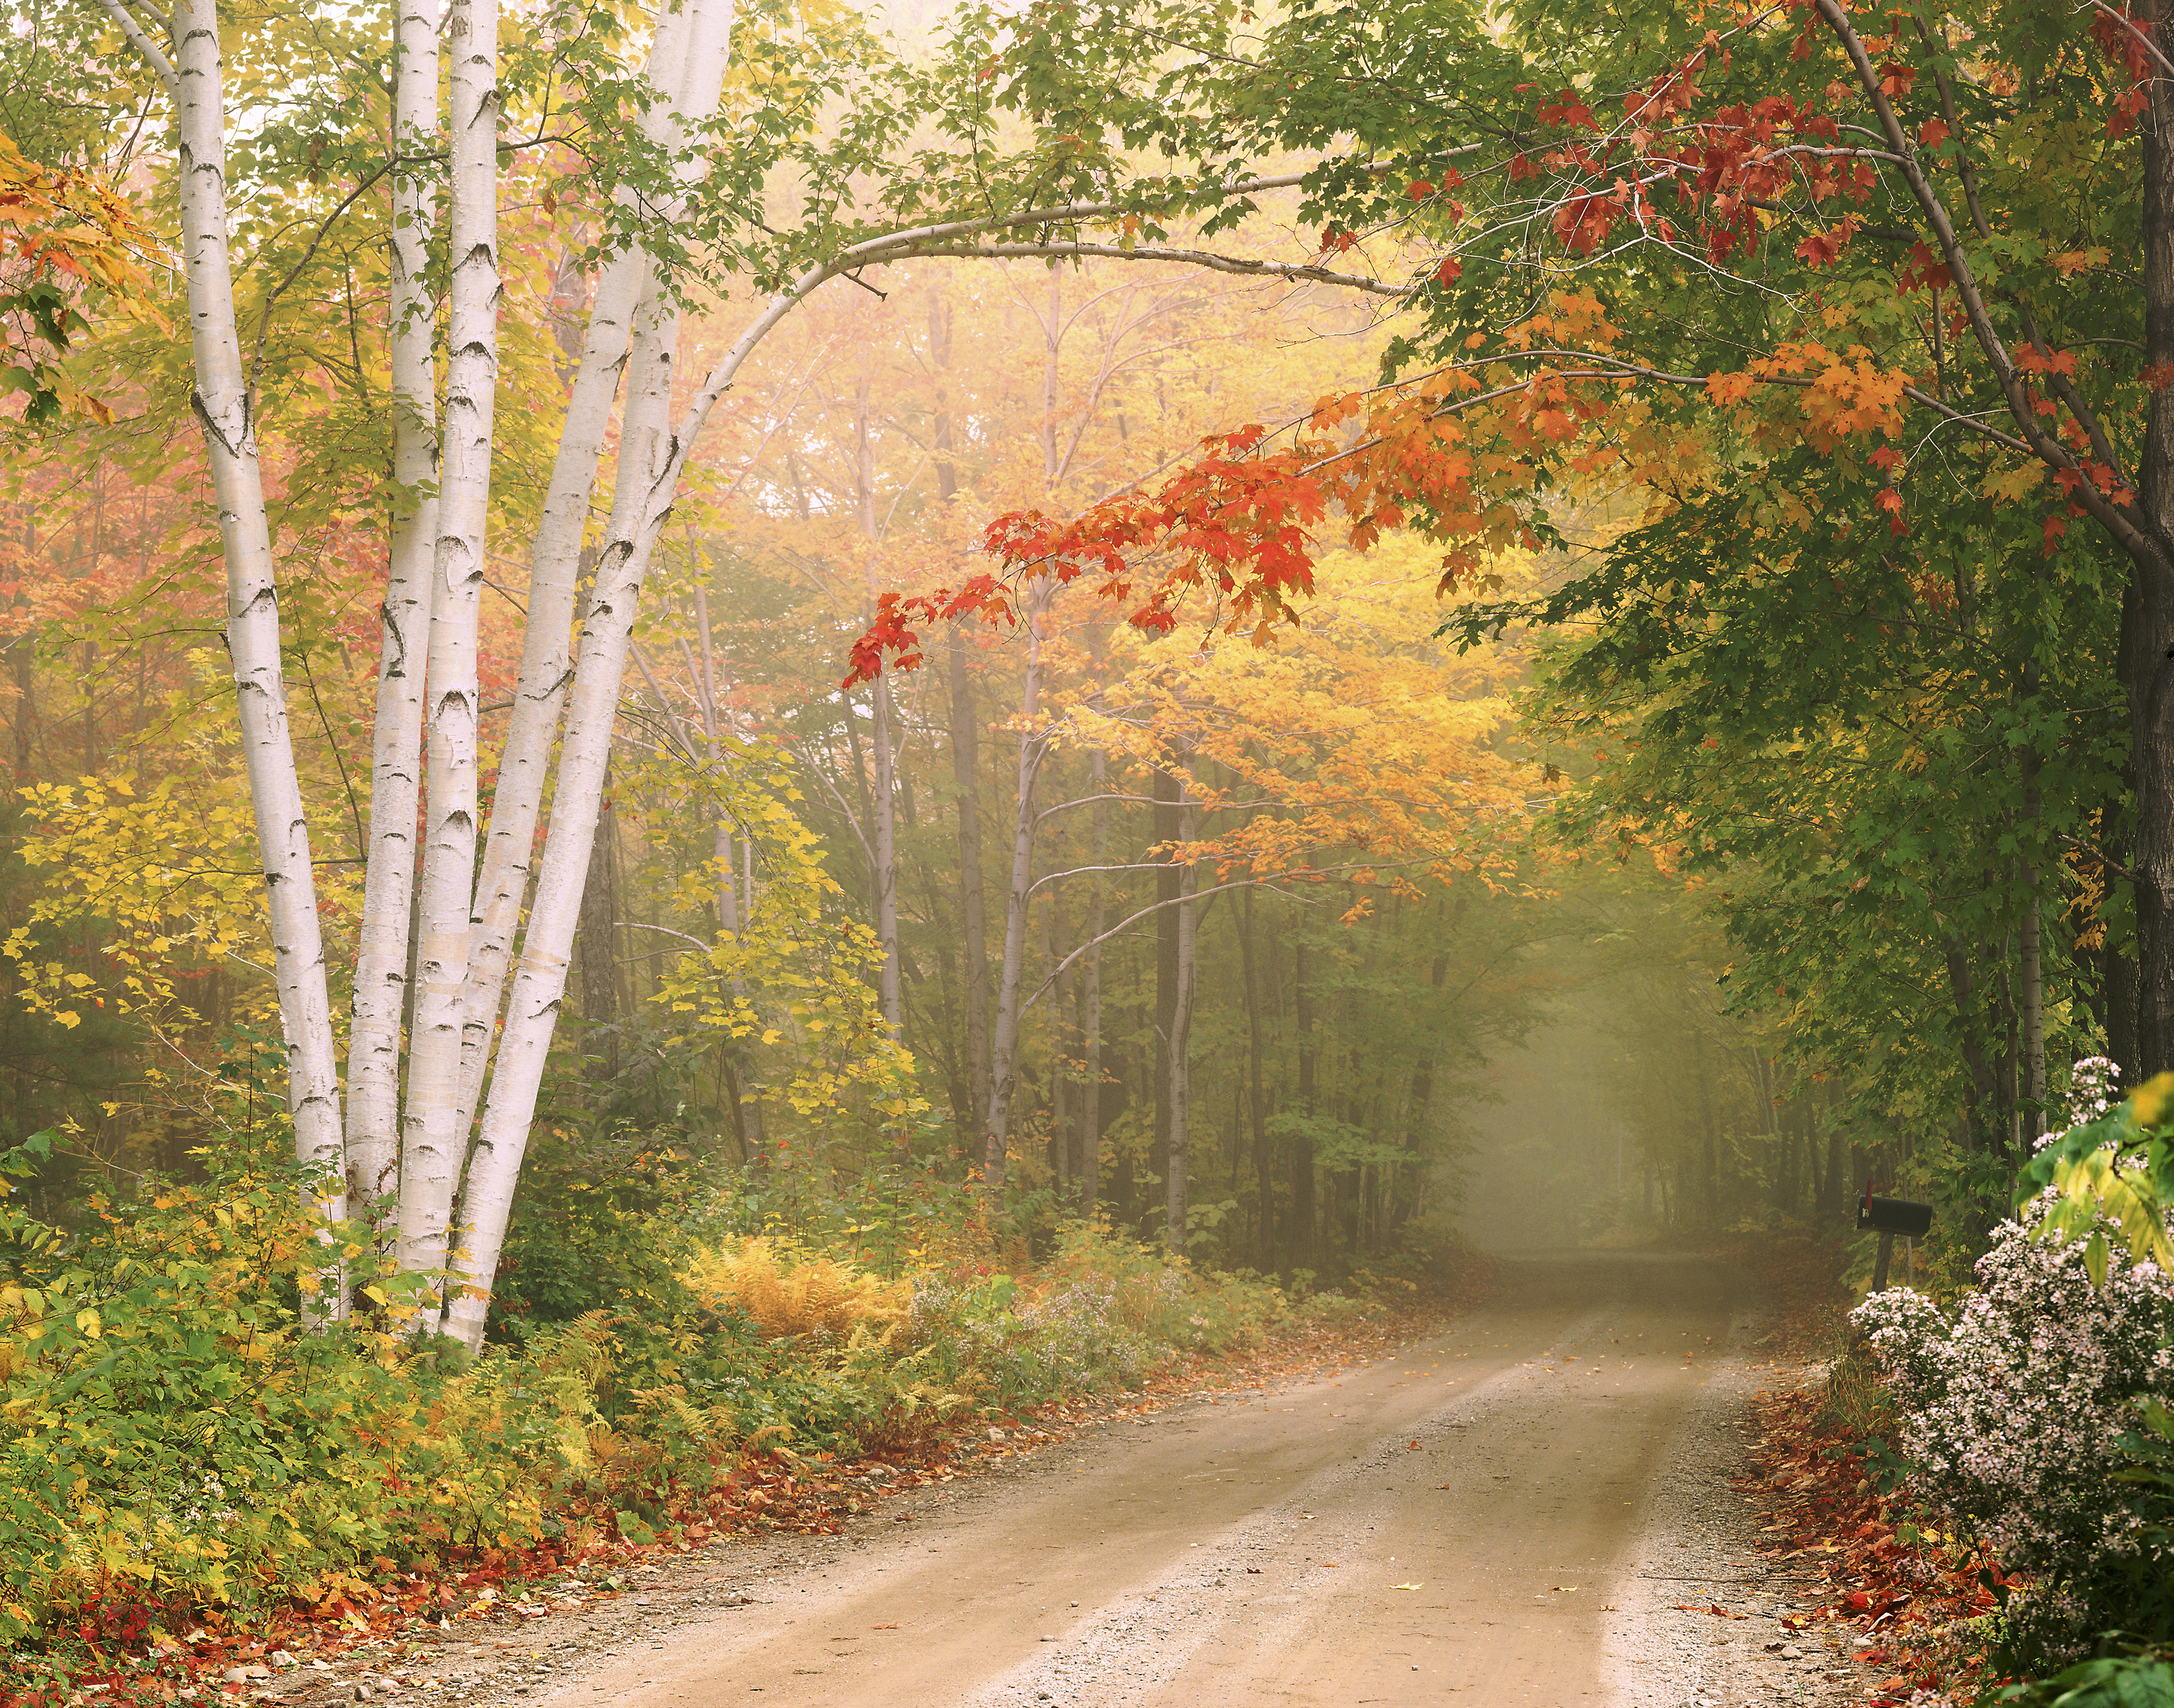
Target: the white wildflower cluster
pixel 2010 1412
pixel 2094 1087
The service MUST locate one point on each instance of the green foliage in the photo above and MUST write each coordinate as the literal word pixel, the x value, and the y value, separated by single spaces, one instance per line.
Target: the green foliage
pixel 170 1436
pixel 173 1436
pixel 2118 1168
pixel 2116 1681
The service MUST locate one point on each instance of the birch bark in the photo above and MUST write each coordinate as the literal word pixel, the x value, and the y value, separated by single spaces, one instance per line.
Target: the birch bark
pixel 651 459
pixel 539 983
pixel 430 1142
pixel 686 62
pixel 380 971
pixel 224 411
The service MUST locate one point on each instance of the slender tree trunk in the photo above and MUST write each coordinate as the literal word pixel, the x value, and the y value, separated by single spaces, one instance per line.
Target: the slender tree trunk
pixel 1090 996
pixel 1298 1246
pixel 2147 653
pixel 1010 986
pixel 1167 794
pixel 1178 1180
pixel 965 757
pixel 653 457
pixel 539 984
pixel 1984 1082
pixel 380 973
pixel 224 410
pixel 432 1146
pixel 974 951
pixel 735 913
pixel 1257 1097
pixel 883 826
pixel 22 655
pixel 2030 971
pixel 686 62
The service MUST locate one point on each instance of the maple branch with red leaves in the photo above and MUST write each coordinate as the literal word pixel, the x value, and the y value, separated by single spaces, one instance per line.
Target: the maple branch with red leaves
pixel 2104 507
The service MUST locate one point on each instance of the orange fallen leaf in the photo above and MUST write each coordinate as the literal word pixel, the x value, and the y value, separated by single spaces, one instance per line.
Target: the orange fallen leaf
pixel 892 1626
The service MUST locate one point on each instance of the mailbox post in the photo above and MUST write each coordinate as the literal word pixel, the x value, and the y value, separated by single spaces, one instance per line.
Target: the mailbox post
pixel 1888 1217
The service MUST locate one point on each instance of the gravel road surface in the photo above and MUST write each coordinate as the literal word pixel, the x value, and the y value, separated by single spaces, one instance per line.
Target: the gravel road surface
pixel 1531 1507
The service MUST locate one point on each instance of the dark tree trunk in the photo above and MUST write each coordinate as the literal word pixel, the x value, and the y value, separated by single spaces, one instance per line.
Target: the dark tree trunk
pixel 1164 830
pixel 973 909
pixel 2147 656
pixel 1298 1241
pixel 1257 1096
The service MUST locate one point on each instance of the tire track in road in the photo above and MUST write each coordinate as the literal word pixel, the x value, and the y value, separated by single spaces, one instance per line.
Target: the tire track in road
pixel 1464 1521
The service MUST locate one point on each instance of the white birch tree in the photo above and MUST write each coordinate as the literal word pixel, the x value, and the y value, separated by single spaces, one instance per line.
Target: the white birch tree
pixel 422 1062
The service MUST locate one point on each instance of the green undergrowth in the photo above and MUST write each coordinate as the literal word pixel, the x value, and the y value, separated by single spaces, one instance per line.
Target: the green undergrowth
pixel 178 1443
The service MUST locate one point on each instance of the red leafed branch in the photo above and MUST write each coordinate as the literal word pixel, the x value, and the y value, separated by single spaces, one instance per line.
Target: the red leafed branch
pixel 1241 523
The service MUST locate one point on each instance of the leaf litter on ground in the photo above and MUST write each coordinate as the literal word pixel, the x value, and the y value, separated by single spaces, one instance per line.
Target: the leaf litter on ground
pixel 119 1658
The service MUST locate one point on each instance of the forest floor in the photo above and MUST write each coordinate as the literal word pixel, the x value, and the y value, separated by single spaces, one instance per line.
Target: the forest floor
pixel 1534 1502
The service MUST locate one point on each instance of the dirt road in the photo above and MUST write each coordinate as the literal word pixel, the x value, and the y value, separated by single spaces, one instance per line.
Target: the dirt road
pixel 1508 1513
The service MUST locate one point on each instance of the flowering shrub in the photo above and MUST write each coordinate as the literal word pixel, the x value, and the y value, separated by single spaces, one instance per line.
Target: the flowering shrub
pixel 2015 1410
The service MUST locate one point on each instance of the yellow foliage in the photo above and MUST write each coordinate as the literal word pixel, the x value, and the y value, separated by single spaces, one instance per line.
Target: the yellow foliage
pixel 785 1297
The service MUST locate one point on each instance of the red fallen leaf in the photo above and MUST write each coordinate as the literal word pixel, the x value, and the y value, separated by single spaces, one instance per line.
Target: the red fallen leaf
pixel 1719 1612
pixel 892 1626
pixel 1252 1571
pixel 1412 1446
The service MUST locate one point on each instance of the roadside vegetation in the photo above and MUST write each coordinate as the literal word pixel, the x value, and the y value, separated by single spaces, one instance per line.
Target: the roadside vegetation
pixel 182 1453
pixel 735 739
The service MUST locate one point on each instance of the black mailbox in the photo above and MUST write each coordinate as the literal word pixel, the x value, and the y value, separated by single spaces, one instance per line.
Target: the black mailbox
pixel 1895 1216
pixel 1888 1217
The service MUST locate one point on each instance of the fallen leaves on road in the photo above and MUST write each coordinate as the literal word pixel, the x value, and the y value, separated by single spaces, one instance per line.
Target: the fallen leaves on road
pixel 1882 1565
pixel 1719 1612
pixel 1875 1562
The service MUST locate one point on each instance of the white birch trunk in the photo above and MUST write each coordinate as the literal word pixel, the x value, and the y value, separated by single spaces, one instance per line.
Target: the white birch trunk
pixel 1177 1177
pixel 380 972
pixel 686 66
pixel 645 463
pixel 431 1143
pixel 652 461
pixel 1004 1045
pixel 224 410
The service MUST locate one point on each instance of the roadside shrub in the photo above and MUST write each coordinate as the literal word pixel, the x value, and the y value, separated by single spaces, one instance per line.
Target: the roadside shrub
pixel 176 1434
pixel 172 1436
pixel 2015 1413
pixel 810 1296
